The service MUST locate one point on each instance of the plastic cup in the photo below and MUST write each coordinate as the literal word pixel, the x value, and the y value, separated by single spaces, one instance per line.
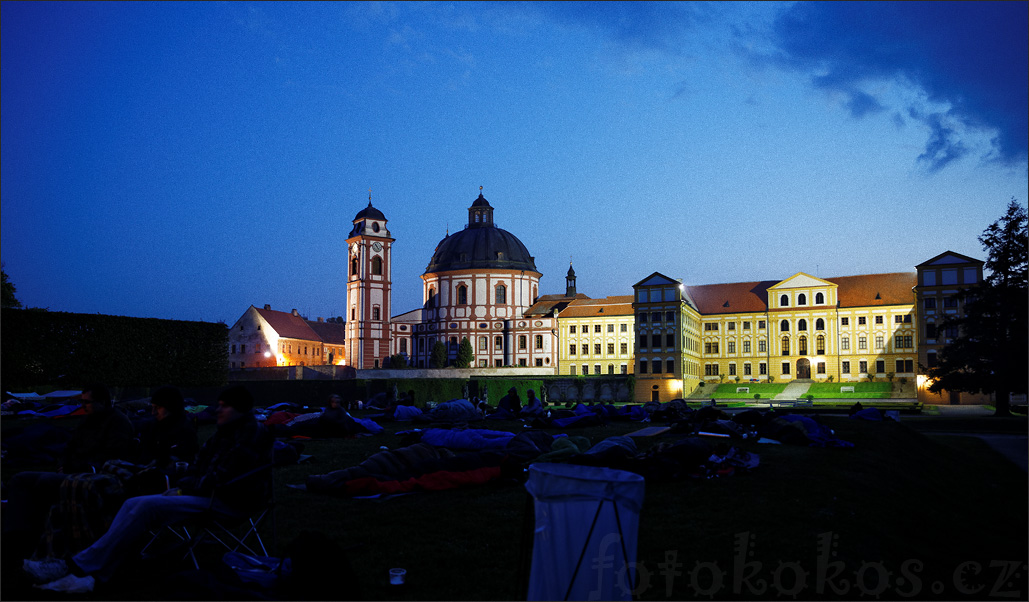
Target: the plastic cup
pixel 397 576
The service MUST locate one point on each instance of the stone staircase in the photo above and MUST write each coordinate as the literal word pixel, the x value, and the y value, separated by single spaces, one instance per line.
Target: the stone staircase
pixel 794 390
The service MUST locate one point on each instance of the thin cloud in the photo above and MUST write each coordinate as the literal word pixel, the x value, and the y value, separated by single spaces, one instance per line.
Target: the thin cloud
pixel 968 57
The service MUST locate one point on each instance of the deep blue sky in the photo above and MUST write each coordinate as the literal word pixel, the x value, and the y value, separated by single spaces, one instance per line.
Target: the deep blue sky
pixel 187 160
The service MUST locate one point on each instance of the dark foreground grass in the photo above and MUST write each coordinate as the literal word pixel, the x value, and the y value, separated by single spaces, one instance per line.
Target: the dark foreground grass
pixel 900 515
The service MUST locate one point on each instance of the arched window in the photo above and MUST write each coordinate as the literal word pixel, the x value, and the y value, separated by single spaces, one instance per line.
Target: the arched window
pixel 802 325
pixel 786 345
pixel 819 298
pixel 802 299
pixel 784 301
pixel 819 324
pixel 784 326
pixel 462 294
pixel 802 346
pixel 432 298
pixel 501 294
pixel 353 267
pixel 377 265
pixel 820 345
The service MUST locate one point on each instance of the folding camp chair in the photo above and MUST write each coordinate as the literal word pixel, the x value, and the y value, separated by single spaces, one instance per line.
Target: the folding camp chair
pixel 234 531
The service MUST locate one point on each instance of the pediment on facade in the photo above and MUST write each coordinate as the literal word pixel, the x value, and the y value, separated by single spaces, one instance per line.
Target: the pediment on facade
pixel 948 258
pixel 801 280
pixel 657 279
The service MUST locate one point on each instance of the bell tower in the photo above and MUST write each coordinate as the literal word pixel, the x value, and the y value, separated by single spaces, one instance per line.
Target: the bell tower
pixel 368 289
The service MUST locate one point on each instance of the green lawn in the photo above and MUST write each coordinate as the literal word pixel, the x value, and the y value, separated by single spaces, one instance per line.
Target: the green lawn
pixel 766 390
pixel 900 503
pixel 862 390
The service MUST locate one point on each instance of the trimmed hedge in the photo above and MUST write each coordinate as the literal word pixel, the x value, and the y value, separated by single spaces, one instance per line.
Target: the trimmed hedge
pixel 44 348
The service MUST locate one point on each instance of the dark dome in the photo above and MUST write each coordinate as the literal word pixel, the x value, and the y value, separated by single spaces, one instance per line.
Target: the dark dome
pixel 370 212
pixel 481 248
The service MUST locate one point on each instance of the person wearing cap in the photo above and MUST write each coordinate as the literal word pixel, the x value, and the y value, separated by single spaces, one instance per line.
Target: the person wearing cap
pixel 104 434
pixel 239 446
pixel 169 436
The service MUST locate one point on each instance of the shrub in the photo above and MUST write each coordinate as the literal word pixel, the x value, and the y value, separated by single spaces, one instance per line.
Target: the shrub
pixel 757 396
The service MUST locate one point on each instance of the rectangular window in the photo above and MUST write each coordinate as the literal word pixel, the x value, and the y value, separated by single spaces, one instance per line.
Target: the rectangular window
pixel 571 329
pixel 375 313
pixel 971 275
pixel 762 368
pixel 571 369
pixel 670 316
pixel 655 341
pixel 625 369
pixel 596 369
pixel 732 369
pixel 879 342
pixel 596 349
pixel 539 341
pixel 539 361
pixel 623 328
pixel 844 321
pixel 760 324
pixel 898 319
pixel 670 366
pixel 643 366
pixel 596 328
pixel 909 342
pixel 821 367
pixel 732 346
pixel 623 348
pixel 521 361
pixel 710 369
pixel 498 343
pixel 522 341
pixel 845 344
pixel 585 328
pixel 243 348
pixel 762 346
pixel 731 326
pixel 585 369
pixel 862 367
pixel 930 331
pixel 845 367
pixel 234 349
pixel 786 368
pixel 950 302
pixel 880 366
pixel 861 320
pixel 950 276
pixel 610 348
pixel 878 319
pixel 929 303
pixel 585 349
pixel 643 341
pixel 746 326
pixel 929 278
pixel 669 340
pixel 746 369
pixel 746 346
pixel 571 350
pixel 610 327
pixel 655 316
pixel 642 317
pixel 898 341
pixel 483 343
pixel 862 343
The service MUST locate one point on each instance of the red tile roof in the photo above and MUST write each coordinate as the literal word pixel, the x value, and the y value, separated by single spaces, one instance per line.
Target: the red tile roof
pixel 331 333
pixel 609 306
pixel 288 325
pixel 852 291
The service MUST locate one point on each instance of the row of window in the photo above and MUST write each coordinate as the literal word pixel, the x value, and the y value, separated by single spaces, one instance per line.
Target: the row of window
pixel 948 302
pixel 902 366
pixel 498 343
pixel 784 299
pixel 597 369
pixel 949 276
pixel 623 348
pixel 655 316
pixel 499 295
pixel 597 328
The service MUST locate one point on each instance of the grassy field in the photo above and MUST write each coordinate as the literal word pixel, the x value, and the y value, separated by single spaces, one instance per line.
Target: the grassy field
pixel 728 391
pixel 901 514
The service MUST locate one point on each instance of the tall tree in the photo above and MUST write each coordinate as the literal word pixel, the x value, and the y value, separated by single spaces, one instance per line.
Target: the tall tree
pixel 9 300
pixel 465 354
pixel 991 351
pixel 438 359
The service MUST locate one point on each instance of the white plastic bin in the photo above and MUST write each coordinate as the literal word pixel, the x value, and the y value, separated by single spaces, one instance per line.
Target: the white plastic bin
pixel 587 522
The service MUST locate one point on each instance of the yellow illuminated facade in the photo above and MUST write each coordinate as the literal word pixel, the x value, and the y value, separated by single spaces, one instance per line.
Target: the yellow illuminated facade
pixel 263 338
pixel 596 336
pixel 802 328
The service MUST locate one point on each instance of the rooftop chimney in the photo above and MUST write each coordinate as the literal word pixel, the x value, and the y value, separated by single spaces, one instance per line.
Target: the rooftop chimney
pixel 295 313
pixel 267 306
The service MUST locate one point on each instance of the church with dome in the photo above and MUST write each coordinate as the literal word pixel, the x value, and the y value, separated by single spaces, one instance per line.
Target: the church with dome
pixel 481 283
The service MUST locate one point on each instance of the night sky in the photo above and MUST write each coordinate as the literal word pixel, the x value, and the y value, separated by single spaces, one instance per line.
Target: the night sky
pixel 187 160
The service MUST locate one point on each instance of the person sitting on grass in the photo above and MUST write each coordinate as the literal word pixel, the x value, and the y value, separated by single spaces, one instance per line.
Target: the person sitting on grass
pixel 533 406
pixel 170 435
pixel 511 403
pixel 239 446
pixel 104 434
